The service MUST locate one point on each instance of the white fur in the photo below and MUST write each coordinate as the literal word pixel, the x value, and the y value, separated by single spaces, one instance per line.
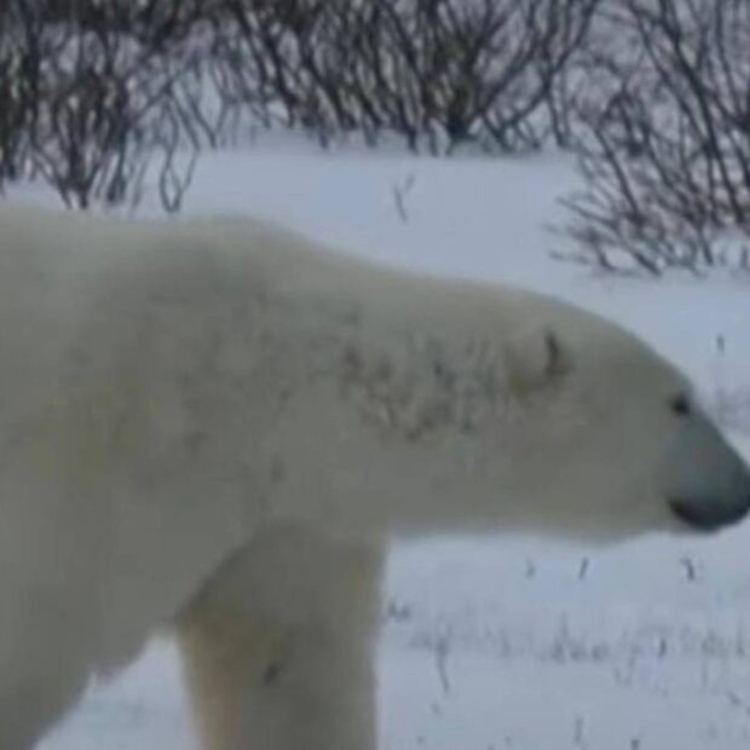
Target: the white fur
pixel 218 425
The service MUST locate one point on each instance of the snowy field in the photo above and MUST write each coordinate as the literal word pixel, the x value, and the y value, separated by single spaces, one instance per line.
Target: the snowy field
pixel 505 643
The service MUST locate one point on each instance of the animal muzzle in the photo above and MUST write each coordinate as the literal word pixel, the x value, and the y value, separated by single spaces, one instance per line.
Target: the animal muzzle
pixel 705 515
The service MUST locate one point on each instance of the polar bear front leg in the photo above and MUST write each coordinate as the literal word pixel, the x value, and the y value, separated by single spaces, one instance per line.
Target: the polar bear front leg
pixel 279 646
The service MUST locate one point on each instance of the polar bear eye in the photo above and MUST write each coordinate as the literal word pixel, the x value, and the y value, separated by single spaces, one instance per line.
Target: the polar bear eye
pixel 680 405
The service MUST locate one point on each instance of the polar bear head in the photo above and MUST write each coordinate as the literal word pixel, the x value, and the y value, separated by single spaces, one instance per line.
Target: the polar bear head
pixel 609 439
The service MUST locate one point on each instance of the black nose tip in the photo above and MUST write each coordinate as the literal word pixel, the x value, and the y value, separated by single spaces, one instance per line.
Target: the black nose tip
pixel 709 516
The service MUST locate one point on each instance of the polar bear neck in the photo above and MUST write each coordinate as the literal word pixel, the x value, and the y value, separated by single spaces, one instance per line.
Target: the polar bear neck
pixel 399 393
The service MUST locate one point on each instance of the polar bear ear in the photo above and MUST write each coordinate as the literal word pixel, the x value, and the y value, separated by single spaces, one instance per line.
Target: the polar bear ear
pixel 537 360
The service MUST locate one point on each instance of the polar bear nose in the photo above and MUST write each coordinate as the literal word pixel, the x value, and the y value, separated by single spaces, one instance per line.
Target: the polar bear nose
pixel 709 516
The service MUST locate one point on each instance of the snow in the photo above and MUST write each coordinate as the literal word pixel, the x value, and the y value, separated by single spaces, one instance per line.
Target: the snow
pixel 504 643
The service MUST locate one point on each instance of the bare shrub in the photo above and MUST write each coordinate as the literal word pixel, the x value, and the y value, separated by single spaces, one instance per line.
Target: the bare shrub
pixel 438 73
pixel 94 85
pixel 664 144
pixel 97 93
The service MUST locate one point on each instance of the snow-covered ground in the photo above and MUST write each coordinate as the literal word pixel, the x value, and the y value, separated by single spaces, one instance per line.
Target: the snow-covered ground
pixel 505 643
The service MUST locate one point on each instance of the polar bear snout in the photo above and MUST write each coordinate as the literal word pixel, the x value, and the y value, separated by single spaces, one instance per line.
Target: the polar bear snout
pixel 708 484
pixel 709 515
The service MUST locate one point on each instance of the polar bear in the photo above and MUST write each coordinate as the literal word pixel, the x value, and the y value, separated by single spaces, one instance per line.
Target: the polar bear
pixel 218 427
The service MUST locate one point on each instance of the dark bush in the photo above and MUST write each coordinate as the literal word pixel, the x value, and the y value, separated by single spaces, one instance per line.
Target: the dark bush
pixel 664 139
